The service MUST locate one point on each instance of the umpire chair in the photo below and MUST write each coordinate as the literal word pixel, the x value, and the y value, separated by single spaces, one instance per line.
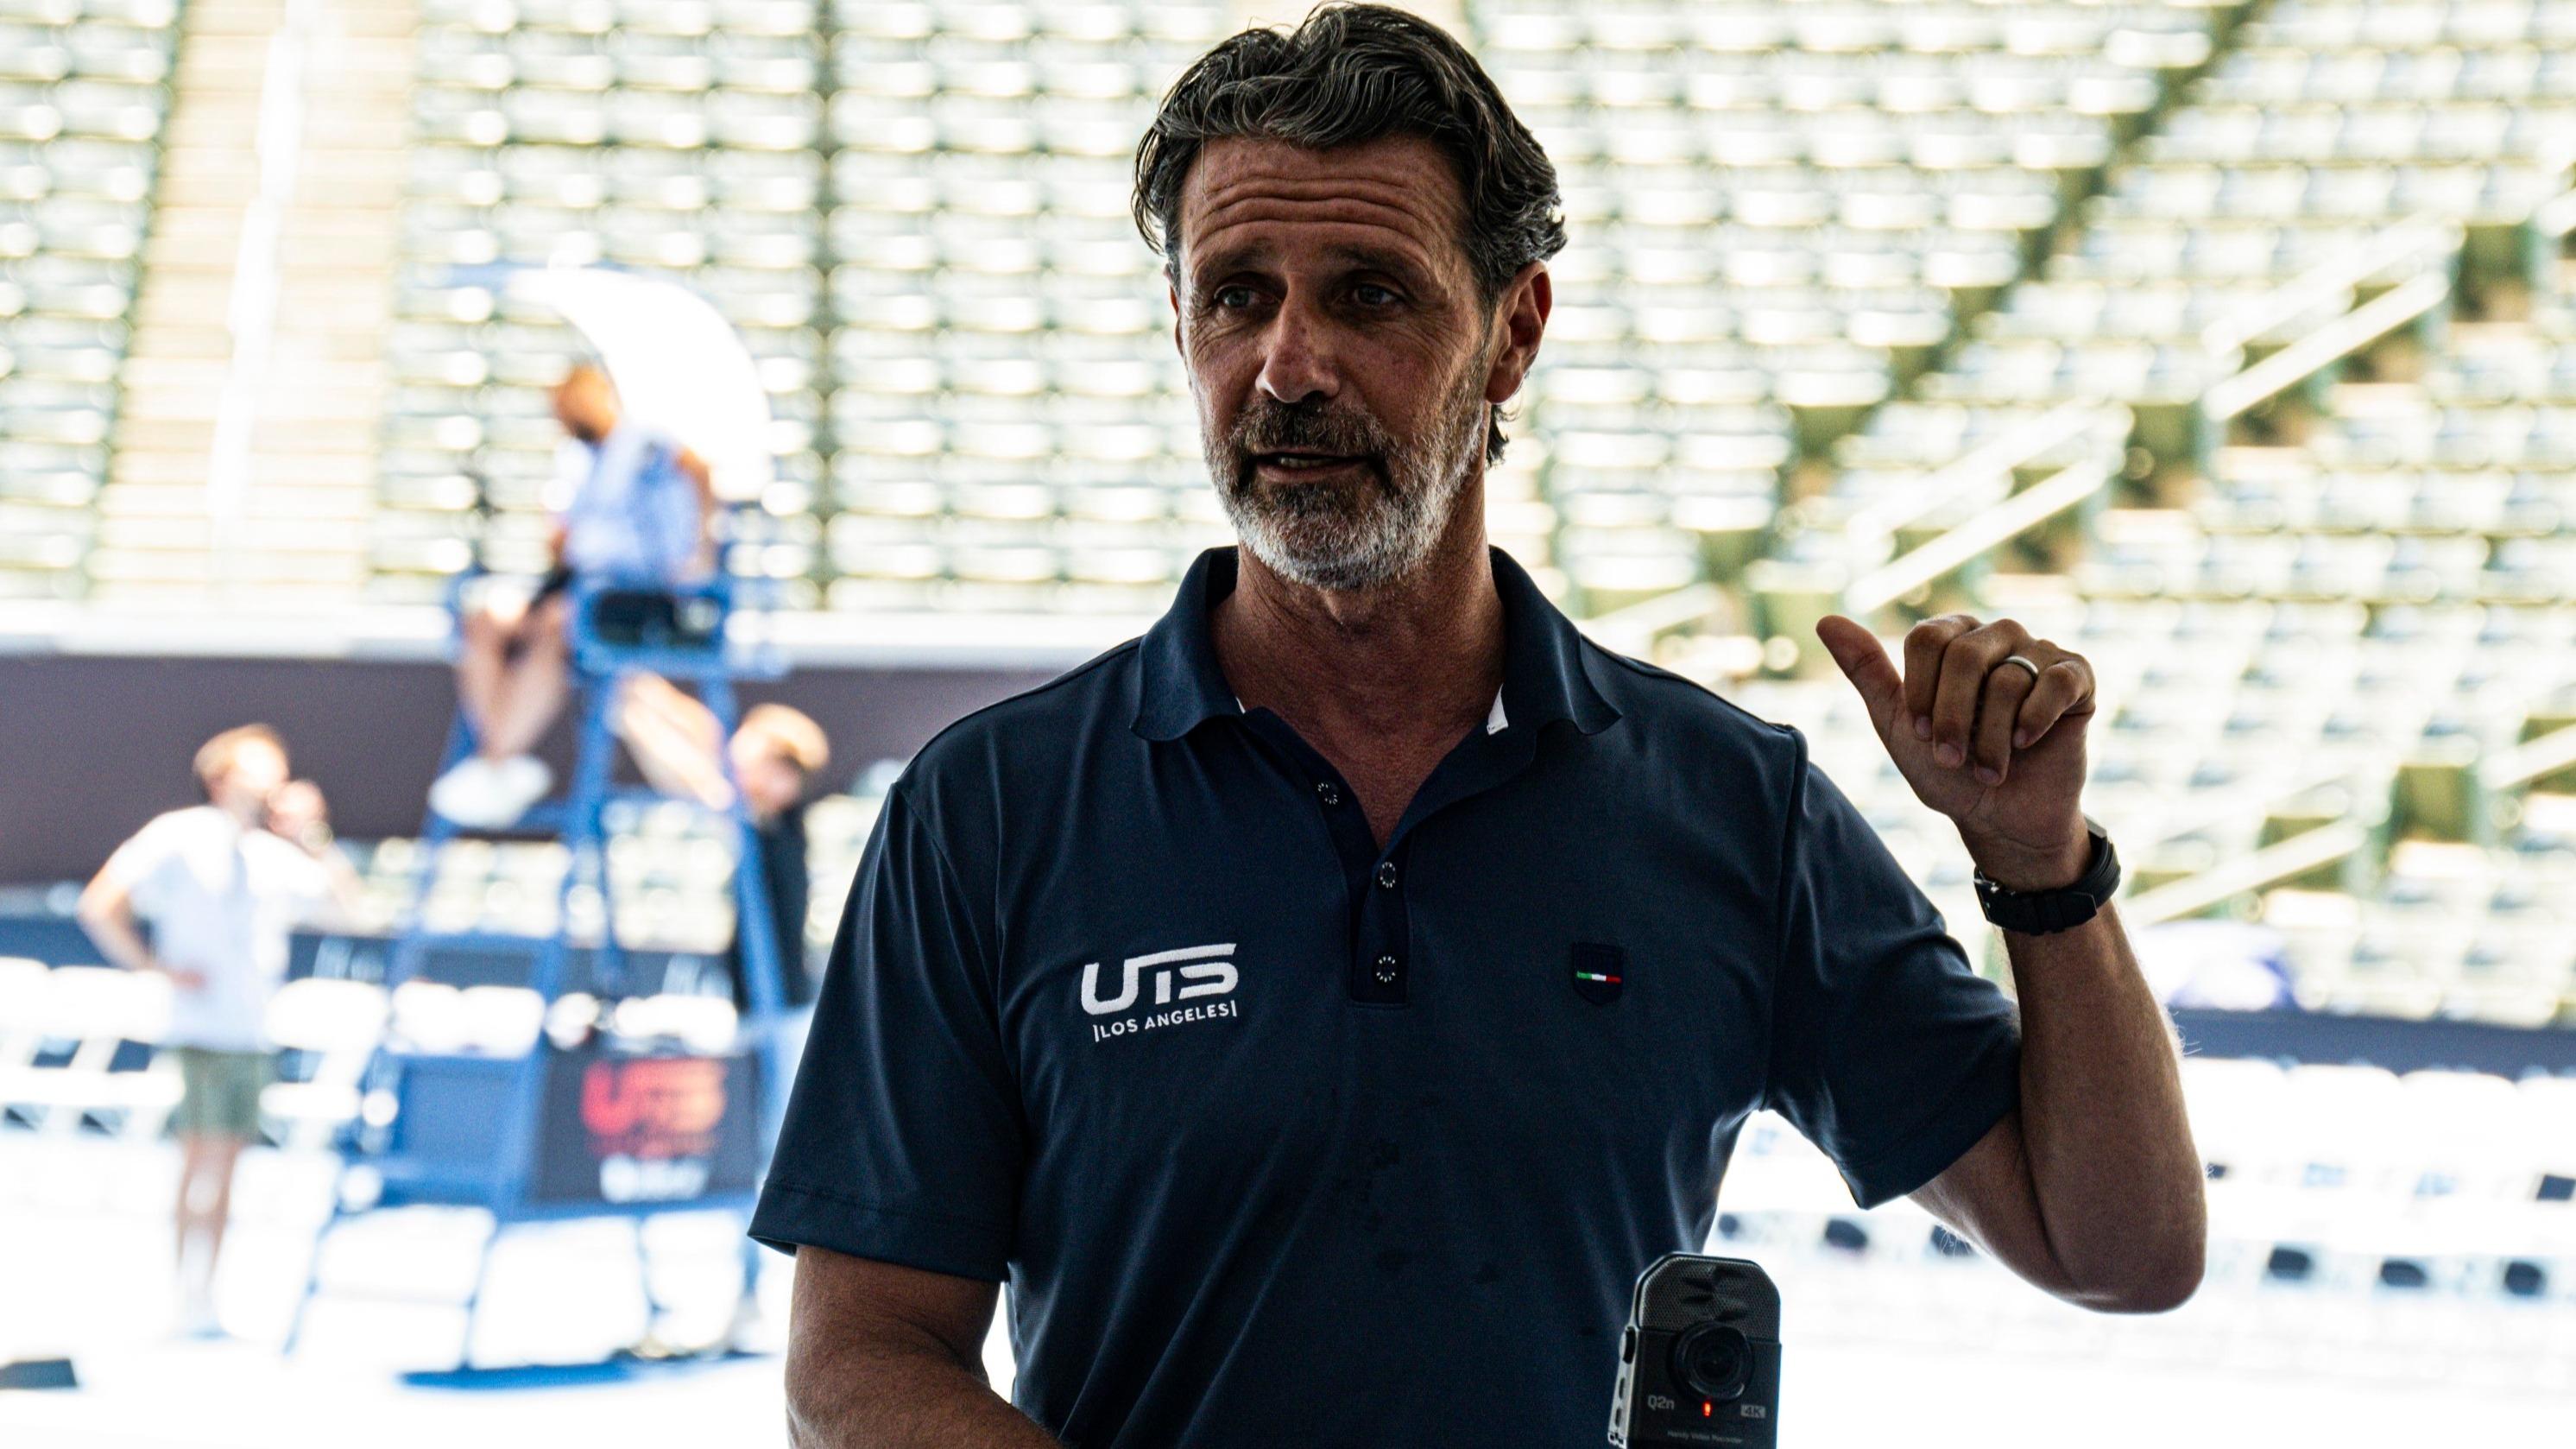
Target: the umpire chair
pixel 463 1129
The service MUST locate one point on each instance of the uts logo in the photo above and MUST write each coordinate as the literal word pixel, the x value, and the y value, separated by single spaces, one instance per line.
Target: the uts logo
pixel 1178 975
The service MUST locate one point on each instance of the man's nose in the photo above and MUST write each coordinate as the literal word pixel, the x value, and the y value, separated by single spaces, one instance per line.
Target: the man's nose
pixel 1297 361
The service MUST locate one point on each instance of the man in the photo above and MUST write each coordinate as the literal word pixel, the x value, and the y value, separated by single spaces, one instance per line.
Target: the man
pixel 637 519
pixel 1323 1008
pixel 775 752
pixel 222 883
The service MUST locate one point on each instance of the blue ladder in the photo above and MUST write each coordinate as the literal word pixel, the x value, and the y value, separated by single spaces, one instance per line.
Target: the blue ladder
pixel 491 1167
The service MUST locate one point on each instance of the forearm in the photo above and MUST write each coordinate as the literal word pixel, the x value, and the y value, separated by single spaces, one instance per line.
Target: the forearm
pixel 348 891
pixel 2091 1186
pixel 2116 1175
pixel 302 821
pixel 117 940
pixel 900 1398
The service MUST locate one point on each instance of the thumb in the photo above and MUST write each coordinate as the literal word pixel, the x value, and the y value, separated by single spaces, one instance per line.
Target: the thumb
pixel 1865 663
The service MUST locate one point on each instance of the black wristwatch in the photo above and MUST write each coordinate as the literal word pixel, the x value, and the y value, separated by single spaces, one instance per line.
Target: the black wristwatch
pixel 2041 913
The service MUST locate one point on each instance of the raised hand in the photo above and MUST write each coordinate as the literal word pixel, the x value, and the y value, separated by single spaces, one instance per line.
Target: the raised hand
pixel 1987 724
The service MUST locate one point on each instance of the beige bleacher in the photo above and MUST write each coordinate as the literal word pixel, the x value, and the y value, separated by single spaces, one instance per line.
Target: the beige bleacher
pixel 2327 580
pixel 243 453
pixel 83 96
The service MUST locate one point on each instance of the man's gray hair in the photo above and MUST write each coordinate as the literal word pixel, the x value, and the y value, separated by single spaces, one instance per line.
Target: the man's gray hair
pixel 1348 75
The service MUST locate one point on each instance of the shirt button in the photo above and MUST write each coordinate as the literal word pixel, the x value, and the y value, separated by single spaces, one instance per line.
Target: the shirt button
pixel 1386 875
pixel 1386 970
pixel 1329 793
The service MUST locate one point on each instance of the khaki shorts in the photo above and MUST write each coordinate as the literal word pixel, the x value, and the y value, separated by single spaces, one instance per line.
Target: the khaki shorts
pixel 219 1092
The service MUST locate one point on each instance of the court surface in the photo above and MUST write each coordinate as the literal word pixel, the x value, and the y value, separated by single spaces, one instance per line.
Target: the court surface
pixel 1880 1350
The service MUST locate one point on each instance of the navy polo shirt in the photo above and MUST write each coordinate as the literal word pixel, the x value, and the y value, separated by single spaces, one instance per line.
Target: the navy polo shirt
pixel 1283 1138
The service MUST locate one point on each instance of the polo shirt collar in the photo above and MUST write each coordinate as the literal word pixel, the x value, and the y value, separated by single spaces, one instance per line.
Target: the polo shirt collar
pixel 1180 685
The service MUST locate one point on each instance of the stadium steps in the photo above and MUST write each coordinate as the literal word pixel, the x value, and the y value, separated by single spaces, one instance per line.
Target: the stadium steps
pixel 277 519
pixel 2175 87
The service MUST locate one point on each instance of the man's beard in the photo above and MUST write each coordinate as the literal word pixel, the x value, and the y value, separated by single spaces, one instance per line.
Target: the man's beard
pixel 1330 534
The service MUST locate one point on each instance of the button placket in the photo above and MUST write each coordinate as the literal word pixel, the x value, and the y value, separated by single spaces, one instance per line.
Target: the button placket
pixel 1378 969
pixel 1371 933
pixel 1380 931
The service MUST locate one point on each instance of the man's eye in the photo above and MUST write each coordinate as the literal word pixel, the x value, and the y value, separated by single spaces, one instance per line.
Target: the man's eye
pixel 1231 297
pixel 1371 295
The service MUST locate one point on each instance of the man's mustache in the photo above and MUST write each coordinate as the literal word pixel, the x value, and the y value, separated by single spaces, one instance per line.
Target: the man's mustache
pixel 1275 427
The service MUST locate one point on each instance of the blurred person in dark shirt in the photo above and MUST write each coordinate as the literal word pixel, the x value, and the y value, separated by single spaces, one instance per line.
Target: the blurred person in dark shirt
pixel 776 752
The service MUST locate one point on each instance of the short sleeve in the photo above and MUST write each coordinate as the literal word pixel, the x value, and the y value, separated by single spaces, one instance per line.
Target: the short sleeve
pixel 904 1137
pixel 573 461
pixel 300 879
pixel 141 866
pixel 1887 1049
pixel 307 880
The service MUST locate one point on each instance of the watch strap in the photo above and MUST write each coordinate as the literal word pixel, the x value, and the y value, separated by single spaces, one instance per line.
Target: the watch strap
pixel 2042 913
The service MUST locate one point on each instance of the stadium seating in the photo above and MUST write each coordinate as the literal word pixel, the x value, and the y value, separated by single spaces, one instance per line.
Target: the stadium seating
pixel 2355 1215
pixel 2348 590
pixel 81 1018
pixel 916 213
pixel 916 216
pixel 1012 429
pixel 1821 252
pixel 83 93
pixel 668 866
pixel 334 1027
pixel 1779 212
pixel 22 1000
pixel 80 1046
pixel 677 138
pixel 980 410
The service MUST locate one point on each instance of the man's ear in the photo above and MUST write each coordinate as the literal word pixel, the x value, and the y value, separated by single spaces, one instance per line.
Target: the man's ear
pixel 1175 294
pixel 1525 305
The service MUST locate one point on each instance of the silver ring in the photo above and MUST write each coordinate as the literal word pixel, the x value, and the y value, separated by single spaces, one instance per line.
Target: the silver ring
pixel 2024 663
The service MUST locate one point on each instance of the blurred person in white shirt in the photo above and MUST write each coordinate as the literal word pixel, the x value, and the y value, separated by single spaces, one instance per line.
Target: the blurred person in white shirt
pixel 222 885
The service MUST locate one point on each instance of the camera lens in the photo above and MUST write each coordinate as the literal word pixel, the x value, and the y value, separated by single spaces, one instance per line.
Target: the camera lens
pixel 1713 1361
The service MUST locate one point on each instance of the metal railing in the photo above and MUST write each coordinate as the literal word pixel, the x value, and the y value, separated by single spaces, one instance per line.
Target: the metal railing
pixel 2041 501
pixel 2281 860
pixel 1633 628
pixel 2421 244
pixel 2338 338
pixel 1871 529
pixel 2417 241
pixel 2531 760
pixel 2555 217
